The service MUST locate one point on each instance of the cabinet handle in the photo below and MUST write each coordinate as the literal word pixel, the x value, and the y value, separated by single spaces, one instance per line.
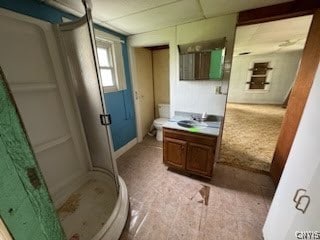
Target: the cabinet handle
pixel 302 200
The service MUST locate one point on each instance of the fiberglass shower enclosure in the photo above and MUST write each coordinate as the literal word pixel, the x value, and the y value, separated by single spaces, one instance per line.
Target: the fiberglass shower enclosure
pixel 51 72
pixel 77 43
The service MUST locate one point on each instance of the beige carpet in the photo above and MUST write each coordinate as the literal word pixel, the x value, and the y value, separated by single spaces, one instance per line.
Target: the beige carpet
pixel 250 135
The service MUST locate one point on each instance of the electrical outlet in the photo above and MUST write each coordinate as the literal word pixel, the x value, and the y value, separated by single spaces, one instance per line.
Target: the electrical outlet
pixel 217 90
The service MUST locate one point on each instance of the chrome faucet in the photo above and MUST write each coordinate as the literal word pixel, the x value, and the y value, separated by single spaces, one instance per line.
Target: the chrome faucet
pixel 204 116
pixel 200 118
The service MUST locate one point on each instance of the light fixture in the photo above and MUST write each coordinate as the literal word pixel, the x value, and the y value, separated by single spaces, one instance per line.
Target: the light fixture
pixel 244 53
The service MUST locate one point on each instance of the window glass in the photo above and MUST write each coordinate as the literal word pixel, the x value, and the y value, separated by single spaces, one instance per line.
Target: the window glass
pixel 103 57
pixel 260 68
pixel 106 75
pixel 110 60
pixel 259 76
pixel 258 83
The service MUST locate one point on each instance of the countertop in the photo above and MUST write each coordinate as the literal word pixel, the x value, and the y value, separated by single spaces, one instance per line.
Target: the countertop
pixel 209 128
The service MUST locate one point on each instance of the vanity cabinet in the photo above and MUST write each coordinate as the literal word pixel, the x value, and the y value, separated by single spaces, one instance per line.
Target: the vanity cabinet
pixel 200 159
pixel 189 152
pixel 176 153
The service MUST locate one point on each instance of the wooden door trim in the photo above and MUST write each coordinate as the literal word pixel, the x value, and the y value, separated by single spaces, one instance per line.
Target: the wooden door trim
pixel 134 81
pixel 299 95
pixel 277 12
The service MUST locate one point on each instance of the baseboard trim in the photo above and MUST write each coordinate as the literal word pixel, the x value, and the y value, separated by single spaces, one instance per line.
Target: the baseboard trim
pixel 257 103
pixel 124 148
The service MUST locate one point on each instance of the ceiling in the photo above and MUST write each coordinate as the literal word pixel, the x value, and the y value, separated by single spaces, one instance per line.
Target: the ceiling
pixel 277 36
pixel 137 16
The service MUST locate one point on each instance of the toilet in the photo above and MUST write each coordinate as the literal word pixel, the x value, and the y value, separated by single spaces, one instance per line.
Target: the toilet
pixel 164 113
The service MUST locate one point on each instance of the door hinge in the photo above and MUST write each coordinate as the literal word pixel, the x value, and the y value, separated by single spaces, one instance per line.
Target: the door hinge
pixel 105 119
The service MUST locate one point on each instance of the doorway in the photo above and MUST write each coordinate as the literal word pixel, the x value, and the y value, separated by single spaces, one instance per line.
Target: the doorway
pixel 151 87
pixel 265 63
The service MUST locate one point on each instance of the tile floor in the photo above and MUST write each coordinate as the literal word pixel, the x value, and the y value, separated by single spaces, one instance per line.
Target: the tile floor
pixel 169 206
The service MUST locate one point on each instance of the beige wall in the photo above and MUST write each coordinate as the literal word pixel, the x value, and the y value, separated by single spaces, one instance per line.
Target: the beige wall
pixel 200 96
pixel 284 68
pixel 144 87
pixel 161 77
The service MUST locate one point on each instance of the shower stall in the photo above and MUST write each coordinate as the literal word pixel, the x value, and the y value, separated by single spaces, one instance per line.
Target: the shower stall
pixel 52 73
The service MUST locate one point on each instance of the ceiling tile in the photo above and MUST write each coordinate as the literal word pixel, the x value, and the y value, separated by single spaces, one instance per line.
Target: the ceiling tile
pixel 136 16
pixel 266 37
pixel 245 33
pixel 110 9
pixel 161 17
pixel 279 37
pixel 214 8
pixel 298 46
pixel 297 25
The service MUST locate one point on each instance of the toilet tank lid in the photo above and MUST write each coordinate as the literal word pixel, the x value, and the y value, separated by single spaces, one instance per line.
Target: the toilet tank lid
pixel 163 105
pixel 161 120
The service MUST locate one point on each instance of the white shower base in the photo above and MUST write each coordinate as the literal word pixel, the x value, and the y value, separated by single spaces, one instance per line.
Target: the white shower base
pixel 94 211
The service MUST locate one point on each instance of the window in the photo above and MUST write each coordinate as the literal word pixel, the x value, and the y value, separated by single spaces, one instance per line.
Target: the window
pixel 259 79
pixel 106 65
pixel 111 66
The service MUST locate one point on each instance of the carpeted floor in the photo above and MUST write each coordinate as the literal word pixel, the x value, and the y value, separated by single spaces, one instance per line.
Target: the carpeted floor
pixel 250 135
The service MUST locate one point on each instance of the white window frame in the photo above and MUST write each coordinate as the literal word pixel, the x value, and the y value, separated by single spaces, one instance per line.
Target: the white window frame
pixel 268 79
pixel 113 45
pixel 110 51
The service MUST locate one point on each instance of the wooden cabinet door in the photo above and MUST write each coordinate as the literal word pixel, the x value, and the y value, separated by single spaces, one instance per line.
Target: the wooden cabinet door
pixel 175 152
pixel 200 159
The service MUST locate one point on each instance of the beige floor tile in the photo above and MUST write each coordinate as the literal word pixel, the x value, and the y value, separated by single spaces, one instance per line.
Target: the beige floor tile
pixel 249 230
pixel 126 236
pixel 153 227
pixel 219 225
pixel 166 205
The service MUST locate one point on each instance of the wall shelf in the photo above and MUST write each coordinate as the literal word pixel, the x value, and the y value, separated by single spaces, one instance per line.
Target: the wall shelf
pixel 32 87
pixel 52 143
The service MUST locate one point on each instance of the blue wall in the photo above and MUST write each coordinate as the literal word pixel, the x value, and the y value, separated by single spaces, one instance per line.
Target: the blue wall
pixel 119 104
